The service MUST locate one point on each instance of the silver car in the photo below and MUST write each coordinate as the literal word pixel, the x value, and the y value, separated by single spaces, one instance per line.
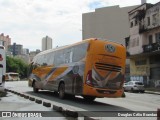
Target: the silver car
pixel 134 86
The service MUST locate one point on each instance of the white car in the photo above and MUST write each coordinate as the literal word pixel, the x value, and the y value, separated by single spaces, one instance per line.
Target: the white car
pixel 134 86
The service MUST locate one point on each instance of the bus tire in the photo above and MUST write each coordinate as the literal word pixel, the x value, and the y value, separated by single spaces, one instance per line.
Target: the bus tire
pixel 34 88
pixel 89 98
pixel 62 90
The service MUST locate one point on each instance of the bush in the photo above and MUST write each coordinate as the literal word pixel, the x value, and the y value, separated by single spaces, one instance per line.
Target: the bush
pixel 16 65
pixel 123 95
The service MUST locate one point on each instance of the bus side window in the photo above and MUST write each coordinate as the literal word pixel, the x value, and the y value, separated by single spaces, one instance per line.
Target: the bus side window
pixel 68 55
pixel 71 56
pixel 50 58
pixel 79 52
pixel 59 58
pixel 45 60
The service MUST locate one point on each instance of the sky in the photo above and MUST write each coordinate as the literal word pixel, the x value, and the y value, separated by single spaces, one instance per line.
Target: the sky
pixel 28 21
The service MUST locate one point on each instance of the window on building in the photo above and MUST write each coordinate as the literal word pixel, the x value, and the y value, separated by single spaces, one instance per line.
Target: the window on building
pixel 150 39
pixel 154 19
pixel 155 59
pixel 136 22
pixel 131 24
pixel 1 42
pixel 140 62
pixel 148 19
pixel 157 37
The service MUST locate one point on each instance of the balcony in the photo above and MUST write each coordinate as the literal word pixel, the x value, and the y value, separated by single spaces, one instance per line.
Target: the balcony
pixel 151 47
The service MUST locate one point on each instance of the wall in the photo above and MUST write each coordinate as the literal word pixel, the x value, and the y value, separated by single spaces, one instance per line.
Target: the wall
pixel 107 23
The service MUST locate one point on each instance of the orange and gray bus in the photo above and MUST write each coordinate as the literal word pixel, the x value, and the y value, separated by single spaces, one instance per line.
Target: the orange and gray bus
pixel 2 67
pixel 90 68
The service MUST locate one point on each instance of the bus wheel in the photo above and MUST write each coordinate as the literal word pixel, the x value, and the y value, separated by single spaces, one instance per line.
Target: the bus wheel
pixel 34 88
pixel 89 98
pixel 62 91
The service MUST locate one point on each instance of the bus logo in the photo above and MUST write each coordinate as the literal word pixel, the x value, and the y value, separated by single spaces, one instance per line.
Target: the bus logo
pixel 110 48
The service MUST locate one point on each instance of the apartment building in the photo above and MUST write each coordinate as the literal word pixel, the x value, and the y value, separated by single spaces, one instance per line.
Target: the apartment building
pixel 5 40
pixel 143 44
pixel 46 43
pixel 15 49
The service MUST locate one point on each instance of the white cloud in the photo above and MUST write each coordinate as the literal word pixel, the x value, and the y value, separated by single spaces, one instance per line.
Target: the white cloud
pixel 27 21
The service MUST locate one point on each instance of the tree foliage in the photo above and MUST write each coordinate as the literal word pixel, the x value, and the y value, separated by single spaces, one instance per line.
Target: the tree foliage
pixel 16 65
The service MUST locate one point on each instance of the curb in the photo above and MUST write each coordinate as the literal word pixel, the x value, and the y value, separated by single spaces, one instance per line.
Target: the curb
pixel 150 92
pixel 65 112
pixel 31 99
pixel 46 104
pixel 70 113
pixel 38 101
pixel 57 108
pixel 26 96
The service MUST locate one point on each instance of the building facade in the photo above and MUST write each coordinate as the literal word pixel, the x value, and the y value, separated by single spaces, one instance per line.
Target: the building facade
pixel 25 51
pixel 5 41
pixel 46 43
pixel 143 44
pixel 109 23
pixel 15 49
pixel 32 54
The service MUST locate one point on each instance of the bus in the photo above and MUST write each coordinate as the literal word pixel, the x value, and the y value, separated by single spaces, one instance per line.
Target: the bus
pixel 91 68
pixel 12 76
pixel 2 67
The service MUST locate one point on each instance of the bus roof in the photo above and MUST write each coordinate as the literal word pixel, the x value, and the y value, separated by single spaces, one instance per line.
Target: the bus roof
pixel 66 46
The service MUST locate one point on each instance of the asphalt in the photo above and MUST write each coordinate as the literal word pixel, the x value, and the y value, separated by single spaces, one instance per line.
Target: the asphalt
pixel 16 102
pixel 19 102
pixel 13 104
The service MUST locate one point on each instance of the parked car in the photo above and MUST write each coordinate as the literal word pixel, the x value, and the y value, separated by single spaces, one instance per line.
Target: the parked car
pixel 12 76
pixel 134 86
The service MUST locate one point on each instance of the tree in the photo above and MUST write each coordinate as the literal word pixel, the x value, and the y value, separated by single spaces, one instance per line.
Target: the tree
pixel 16 65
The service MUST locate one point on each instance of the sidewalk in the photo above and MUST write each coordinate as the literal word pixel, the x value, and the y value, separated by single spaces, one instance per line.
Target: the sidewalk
pixel 152 92
pixel 13 103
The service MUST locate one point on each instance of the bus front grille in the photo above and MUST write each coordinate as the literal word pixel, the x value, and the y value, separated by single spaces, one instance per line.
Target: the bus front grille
pixel 108 67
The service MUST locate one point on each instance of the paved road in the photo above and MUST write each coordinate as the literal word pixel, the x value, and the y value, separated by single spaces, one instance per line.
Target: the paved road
pixel 132 102
pixel 11 104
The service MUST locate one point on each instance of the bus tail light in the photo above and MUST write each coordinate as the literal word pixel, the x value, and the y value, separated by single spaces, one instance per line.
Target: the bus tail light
pixel 89 78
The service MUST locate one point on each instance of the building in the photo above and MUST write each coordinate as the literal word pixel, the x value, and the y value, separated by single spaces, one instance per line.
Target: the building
pixel 5 41
pixel 143 44
pixel 46 43
pixel 15 49
pixel 107 23
pixel 33 53
pixel 25 51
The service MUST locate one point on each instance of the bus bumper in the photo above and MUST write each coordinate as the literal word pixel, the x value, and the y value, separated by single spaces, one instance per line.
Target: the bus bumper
pixel 97 92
